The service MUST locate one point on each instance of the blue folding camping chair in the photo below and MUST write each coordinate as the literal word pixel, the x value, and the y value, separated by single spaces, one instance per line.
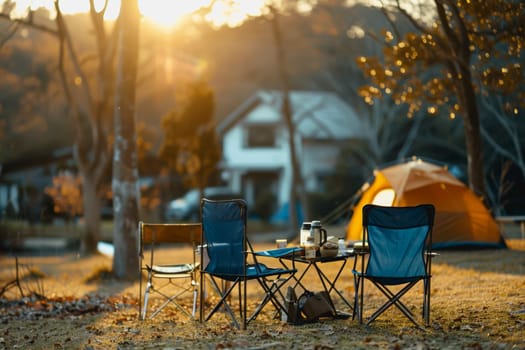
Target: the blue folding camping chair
pixel 399 241
pixel 231 262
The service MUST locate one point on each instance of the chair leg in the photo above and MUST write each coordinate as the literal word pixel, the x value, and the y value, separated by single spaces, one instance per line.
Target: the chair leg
pixel 272 293
pixel 355 311
pixel 146 298
pixel 275 295
pixel 170 299
pixel 202 297
pixel 244 302
pixel 394 299
pixel 194 308
pixel 140 293
pixel 360 298
pixel 223 301
pixel 241 310
pixel 426 301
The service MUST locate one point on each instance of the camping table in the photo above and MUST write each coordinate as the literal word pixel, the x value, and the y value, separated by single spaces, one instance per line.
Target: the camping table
pixel 315 265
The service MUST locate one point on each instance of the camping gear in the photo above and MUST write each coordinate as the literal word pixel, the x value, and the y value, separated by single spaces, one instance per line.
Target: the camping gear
pixel 232 262
pixel 400 243
pixel 179 276
pixel 305 233
pixel 309 307
pixel 329 250
pixel 461 218
pixel 318 233
pixel 310 249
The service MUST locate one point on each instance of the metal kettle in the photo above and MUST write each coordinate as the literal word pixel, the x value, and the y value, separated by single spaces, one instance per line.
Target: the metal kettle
pixel 317 233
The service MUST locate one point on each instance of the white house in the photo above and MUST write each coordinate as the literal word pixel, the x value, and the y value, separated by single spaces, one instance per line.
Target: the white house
pixel 256 153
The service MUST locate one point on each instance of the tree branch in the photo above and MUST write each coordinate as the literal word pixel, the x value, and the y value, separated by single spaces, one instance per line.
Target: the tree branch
pixel 10 32
pixel 389 20
pixel 64 33
pixel 411 19
pixel 516 157
pixel 29 22
pixel 445 23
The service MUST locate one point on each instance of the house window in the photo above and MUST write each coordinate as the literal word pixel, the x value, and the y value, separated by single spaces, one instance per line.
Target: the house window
pixel 257 136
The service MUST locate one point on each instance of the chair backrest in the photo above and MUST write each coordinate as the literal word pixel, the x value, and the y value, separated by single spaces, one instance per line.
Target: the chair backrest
pixel 224 236
pixel 153 234
pixel 397 238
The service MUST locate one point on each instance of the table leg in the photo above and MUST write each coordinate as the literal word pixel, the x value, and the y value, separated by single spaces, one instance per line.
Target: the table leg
pixel 331 283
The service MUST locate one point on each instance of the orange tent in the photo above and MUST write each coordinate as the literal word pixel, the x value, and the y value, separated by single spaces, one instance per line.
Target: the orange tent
pixel 461 219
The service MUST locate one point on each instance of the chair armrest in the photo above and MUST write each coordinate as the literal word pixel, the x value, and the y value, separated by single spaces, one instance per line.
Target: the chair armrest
pixel 279 252
pixel 361 248
pixel 282 254
pixel 361 251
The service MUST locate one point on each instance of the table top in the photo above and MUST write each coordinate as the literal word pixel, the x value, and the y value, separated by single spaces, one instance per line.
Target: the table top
pixel 297 254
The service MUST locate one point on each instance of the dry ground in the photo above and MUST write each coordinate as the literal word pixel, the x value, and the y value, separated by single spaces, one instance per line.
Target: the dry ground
pixel 478 302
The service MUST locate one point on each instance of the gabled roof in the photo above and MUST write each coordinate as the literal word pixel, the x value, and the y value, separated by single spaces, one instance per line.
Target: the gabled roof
pixel 316 114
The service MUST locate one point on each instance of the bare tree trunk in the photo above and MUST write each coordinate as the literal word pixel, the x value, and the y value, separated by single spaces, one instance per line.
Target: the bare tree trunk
pixel 91 210
pixel 459 49
pixel 92 152
pixel 125 169
pixel 471 124
pixel 297 187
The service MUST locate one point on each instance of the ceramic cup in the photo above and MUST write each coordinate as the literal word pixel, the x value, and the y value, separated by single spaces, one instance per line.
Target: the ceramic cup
pixel 281 243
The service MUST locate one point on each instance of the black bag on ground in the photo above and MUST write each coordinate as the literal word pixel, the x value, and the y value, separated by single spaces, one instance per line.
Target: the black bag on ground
pixel 315 305
pixel 309 307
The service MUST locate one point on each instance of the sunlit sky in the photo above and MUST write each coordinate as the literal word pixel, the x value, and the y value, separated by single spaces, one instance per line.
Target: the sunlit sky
pixel 163 12
pixel 168 13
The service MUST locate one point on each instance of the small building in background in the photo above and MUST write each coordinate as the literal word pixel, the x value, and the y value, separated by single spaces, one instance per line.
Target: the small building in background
pixel 256 154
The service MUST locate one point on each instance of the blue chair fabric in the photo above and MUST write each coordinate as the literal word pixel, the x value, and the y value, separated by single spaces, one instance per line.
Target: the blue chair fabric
pixel 231 258
pixel 399 241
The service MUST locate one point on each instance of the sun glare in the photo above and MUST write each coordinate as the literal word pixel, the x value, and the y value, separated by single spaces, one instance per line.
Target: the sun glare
pixel 235 13
pixel 166 13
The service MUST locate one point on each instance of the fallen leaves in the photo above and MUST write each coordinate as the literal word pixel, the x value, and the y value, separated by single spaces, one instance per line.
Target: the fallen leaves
pixel 474 308
pixel 37 307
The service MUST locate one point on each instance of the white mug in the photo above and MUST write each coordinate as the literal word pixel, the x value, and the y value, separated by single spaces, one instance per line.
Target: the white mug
pixel 281 243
